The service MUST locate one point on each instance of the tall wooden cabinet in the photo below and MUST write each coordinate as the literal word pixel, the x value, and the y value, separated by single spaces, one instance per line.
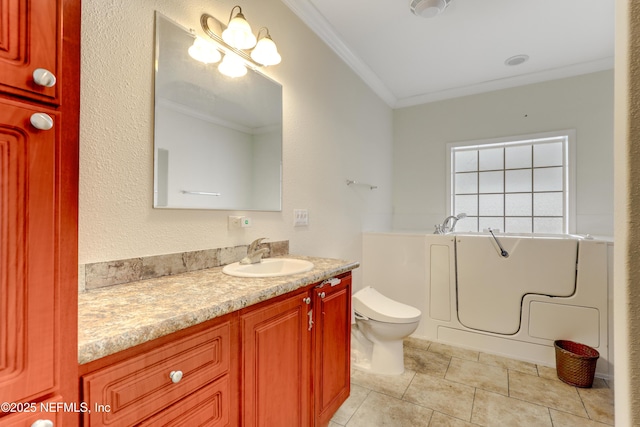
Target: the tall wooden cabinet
pixel 39 108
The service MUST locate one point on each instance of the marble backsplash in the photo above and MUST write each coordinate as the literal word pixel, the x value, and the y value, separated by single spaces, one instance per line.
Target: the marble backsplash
pixel 109 273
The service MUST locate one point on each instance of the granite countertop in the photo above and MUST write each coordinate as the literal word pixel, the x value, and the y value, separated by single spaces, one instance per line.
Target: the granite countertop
pixel 119 317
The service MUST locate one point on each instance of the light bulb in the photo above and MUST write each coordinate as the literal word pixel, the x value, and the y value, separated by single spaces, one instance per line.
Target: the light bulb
pixel 203 51
pixel 266 52
pixel 238 33
pixel 232 66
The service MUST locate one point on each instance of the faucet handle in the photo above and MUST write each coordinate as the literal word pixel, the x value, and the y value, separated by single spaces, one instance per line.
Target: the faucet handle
pixel 253 245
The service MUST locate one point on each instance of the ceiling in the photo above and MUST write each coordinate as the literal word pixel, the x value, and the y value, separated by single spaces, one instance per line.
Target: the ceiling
pixel 409 60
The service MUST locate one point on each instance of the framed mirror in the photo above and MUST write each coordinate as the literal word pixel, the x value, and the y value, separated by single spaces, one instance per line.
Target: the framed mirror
pixel 217 139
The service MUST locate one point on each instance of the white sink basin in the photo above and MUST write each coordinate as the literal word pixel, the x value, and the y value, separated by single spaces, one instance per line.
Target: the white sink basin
pixel 269 267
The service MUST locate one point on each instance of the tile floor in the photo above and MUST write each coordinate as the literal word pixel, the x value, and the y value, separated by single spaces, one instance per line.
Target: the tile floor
pixel 453 387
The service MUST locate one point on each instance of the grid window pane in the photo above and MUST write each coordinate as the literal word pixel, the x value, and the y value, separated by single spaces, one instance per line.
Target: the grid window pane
pixel 547 154
pixel 491 159
pixel 491 205
pixel 466 183
pixel 518 181
pixel 517 157
pixel 518 205
pixel 517 187
pixel 495 223
pixel 547 179
pixel 469 224
pixel 547 225
pixel 466 204
pixel 517 225
pixel 547 204
pixel 466 161
pixel 491 182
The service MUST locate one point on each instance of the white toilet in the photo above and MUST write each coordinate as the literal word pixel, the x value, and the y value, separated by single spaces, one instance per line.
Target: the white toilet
pixel 382 325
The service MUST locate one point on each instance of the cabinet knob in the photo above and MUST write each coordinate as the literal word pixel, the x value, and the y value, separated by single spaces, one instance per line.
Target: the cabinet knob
pixel 322 295
pixel 42 423
pixel 44 77
pixel 41 121
pixel 175 376
pixel 306 300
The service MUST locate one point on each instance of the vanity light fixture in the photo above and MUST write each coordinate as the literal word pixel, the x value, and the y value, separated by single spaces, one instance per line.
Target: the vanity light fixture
pixel 233 42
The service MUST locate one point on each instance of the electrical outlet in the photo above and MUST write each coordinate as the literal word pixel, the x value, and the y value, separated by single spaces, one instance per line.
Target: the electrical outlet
pixel 245 222
pixel 234 222
pixel 300 217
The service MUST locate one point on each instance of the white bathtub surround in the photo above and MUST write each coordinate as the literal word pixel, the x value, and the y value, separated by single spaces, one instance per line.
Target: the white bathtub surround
pixel 548 288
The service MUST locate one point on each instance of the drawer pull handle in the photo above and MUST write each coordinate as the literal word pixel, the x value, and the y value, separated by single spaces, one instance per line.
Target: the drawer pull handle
pixel 44 77
pixel 41 121
pixel 175 376
pixel 322 295
pixel 42 423
pixel 306 300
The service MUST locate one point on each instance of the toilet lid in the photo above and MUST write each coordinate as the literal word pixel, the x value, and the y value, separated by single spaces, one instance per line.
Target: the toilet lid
pixel 372 304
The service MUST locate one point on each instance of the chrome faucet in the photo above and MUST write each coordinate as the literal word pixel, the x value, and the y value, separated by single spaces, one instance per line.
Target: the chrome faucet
pixel 445 228
pixel 254 255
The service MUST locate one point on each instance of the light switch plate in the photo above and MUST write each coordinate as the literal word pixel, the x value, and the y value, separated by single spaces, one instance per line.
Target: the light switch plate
pixel 300 217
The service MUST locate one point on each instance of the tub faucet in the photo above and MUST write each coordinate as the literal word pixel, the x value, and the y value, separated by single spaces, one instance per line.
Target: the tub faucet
pixel 254 255
pixel 444 228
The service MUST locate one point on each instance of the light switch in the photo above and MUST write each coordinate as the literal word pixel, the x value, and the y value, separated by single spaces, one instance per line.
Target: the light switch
pixel 300 217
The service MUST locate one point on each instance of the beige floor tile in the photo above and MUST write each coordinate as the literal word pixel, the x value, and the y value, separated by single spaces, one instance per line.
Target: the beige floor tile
pixel 546 392
pixel 491 409
pixel 505 362
pixel 441 420
pixel 476 374
pixel 562 419
pixel 441 395
pixel 598 401
pixel 393 385
pixel 548 373
pixel 417 343
pixel 449 350
pixel 426 362
pixel 380 410
pixel 351 405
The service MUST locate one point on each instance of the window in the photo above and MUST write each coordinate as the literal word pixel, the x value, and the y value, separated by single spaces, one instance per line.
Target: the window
pixel 515 185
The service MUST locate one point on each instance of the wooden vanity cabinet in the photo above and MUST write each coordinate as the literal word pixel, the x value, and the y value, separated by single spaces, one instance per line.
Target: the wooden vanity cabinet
pixel 332 348
pixel 296 357
pixel 187 378
pixel 281 363
pixel 276 368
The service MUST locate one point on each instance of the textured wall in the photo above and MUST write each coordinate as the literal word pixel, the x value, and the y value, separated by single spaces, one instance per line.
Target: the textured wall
pixel 335 129
pixel 583 103
pixel 627 212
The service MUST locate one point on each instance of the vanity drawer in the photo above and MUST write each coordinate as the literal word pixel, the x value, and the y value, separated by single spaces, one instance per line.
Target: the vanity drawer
pixel 209 406
pixel 132 390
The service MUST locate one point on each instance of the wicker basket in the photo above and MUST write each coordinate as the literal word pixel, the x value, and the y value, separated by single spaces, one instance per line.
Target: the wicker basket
pixel 575 363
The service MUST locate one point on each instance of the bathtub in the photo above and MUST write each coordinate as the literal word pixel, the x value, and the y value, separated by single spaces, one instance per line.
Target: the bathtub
pixel 549 287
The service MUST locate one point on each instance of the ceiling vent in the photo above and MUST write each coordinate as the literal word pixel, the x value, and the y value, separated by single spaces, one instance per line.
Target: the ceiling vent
pixel 428 8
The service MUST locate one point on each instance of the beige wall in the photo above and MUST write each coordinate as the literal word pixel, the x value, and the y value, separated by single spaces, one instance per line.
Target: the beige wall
pixel 627 212
pixel 583 103
pixel 335 128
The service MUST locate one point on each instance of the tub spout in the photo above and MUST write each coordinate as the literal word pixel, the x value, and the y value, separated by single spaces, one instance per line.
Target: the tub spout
pixel 445 228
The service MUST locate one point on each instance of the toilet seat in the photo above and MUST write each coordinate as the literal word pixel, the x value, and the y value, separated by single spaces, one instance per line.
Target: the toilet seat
pixel 372 304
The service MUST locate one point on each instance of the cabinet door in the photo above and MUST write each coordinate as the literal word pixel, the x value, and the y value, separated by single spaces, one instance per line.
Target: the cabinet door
pixel 29 33
pixel 332 346
pixel 276 366
pixel 27 282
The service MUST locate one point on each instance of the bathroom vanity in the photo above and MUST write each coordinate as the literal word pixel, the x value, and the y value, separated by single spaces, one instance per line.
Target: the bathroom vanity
pixel 209 349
